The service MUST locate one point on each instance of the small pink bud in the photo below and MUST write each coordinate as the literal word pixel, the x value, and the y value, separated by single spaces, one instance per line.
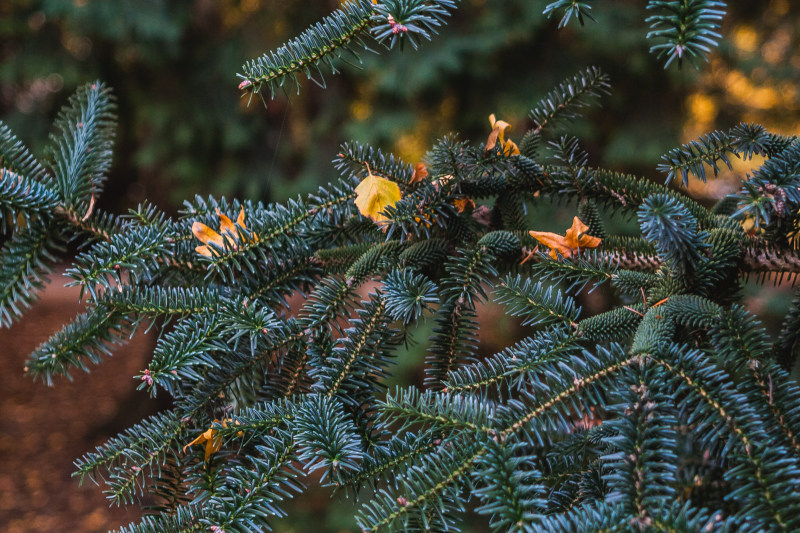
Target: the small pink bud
pixel 245 83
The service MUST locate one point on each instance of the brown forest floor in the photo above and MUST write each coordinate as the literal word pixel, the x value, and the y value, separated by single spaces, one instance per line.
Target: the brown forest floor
pixel 44 429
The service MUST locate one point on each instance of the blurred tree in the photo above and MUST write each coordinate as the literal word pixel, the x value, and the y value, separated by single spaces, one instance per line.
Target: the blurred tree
pixel 185 129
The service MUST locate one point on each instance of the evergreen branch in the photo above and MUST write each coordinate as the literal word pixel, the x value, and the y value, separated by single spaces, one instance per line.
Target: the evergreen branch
pixel 157 301
pixel 25 260
pixel 328 299
pixel 591 518
pixel 20 195
pixel 572 8
pixel 617 325
pixel 354 159
pixel 393 458
pixel 762 260
pixel 360 342
pixel 684 28
pixel 137 251
pixel 16 157
pixel 643 466
pixel 87 337
pixel 185 519
pixel 184 353
pixel 214 386
pixel 509 487
pixel 328 437
pixel 515 365
pixel 596 368
pixel 711 393
pixel 570 96
pixel 442 410
pixel 101 226
pixel 398 20
pixel 81 151
pixel 127 457
pixel 672 228
pixel 578 271
pixel 426 493
pixel 786 347
pixel 256 487
pixel 745 140
pixel 408 295
pixel 773 190
pixel 535 304
pixel 319 45
pixel 454 336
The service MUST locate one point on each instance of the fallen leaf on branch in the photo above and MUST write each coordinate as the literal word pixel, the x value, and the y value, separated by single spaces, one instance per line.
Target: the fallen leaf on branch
pixel 374 194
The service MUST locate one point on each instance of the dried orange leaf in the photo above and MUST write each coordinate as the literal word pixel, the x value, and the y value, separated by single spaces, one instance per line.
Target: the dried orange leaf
pixel 212 440
pixel 420 173
pixel 206 234
pixel 226 225
pixel 462 204
pixel 571 242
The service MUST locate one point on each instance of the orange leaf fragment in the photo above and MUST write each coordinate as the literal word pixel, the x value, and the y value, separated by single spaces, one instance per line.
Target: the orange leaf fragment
pixel 210 237
pixel 420 173
pixel 212 439
pixel 573 240
pixel 462 204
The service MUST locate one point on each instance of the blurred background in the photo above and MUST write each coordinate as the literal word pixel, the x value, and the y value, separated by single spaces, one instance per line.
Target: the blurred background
pixel 184 130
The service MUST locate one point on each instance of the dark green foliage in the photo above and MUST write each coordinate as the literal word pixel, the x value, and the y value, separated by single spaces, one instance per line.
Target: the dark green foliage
pixel 565 102
pixel 684 28
pixel 666 409
pixel 318 46
pixel 571 8
pixel 745 141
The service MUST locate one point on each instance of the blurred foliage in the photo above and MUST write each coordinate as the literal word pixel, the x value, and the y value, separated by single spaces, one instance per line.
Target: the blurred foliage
pixel 185 129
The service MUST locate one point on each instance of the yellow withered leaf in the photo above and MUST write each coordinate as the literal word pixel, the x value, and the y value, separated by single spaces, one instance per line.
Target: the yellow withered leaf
pixel 499 128
pixel 374 194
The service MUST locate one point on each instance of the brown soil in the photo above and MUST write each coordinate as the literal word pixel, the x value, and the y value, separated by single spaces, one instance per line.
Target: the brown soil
pixel 44 429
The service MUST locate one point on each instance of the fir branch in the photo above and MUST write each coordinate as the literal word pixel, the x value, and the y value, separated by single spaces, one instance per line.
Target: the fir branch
pixel 81 150
pixel 20 195
pixel 535 304
pixel 318 46
pixel 185 519
pixel 398 20
pixel 25 260
pixel 570 96
pixel 571 8
pixel 684 28
pixel 128 457
pixel 516 365
pixel 15 157
pixel 88 337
